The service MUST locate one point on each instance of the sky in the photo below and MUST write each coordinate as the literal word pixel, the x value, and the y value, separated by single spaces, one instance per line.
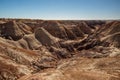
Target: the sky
pixel 60 9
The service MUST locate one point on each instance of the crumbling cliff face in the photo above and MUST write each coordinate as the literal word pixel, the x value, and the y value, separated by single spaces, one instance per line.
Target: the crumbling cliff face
pixel 59 50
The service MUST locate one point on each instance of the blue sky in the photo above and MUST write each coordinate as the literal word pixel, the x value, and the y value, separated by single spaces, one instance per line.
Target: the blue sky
pixel 60 9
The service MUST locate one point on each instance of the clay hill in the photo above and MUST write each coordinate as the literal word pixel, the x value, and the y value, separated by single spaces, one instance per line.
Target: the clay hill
pixel 59 49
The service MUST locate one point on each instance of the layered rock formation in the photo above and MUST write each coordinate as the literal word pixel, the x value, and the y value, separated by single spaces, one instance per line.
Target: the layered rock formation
pixel 45 37
pixel 14 30
pixel 59 50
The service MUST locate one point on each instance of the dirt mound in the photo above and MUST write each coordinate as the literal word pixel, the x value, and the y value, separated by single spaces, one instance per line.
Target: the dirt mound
pixel 10 30
pixel 32 42
pixel 45 37
pixel 14 30
pixel 85 28
pixel 58 30
pixel 69 33
pixel 78 32
pixel 24 28
pixel 112 40
pixel 111 34
pixel 54 28
pixel 115 27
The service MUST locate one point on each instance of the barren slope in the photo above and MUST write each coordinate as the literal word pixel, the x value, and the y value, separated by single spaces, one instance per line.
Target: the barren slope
pixel 59 50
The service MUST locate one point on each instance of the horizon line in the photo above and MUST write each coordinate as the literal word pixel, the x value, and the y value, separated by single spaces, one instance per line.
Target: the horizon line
pixel 58 19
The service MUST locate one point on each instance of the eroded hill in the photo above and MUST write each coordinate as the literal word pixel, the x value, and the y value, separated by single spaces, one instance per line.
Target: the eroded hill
pixel 59 50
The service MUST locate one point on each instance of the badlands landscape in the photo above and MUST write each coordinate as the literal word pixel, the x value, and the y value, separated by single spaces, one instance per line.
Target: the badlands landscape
pixel 59 49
